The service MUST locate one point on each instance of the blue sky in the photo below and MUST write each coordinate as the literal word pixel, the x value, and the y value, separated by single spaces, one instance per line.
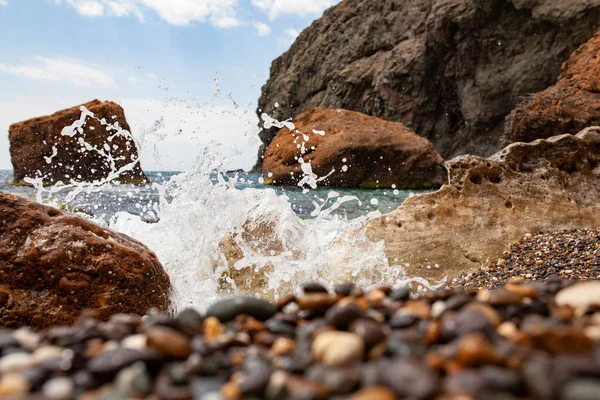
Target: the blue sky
pixel 187 72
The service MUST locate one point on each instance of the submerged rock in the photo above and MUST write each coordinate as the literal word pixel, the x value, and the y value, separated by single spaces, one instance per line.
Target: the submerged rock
pixel 53 148
pixel 569 106
pixel 352 150
pixel 490 203
pixel 450 70
pixel 54 265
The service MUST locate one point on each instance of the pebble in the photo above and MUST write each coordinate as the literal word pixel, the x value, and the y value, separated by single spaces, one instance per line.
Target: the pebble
pixel 60 388
pixel 226 310
pixel 13 385
pixel 15 362
pixel 168 341
pixel 581 296
pixel 335 348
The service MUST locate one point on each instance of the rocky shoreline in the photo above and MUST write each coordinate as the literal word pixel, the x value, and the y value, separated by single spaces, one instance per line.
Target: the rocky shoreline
pixel 526 340
pixel 572 255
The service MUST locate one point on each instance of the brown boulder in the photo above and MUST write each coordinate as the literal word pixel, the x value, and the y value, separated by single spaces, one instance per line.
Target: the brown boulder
pixel 451 70
pixel 551 184
pixel 54 265
pixel 569 106
pixel 362 151
pixel 40 148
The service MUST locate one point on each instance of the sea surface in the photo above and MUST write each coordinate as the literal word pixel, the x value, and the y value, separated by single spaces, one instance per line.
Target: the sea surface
pixel 144 201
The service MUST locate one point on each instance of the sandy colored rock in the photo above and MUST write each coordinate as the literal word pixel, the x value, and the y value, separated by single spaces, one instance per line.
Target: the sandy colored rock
pixel 490 203
pixel 352 150
pixel 39 148
pixel 53 265
pixel 569 106
pixel 449 70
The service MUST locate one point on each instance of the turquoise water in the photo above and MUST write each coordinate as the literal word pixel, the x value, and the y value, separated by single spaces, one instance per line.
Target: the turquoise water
pixel 143 201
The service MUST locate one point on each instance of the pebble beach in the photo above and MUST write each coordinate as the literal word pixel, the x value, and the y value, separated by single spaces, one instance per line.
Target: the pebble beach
pixel 522 341
pixel 573 255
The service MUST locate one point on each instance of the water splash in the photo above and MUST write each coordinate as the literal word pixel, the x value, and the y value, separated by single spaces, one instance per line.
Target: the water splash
pixel 214 239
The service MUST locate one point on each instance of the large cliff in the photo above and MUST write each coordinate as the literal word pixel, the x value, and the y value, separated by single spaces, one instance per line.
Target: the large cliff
pixel 451 70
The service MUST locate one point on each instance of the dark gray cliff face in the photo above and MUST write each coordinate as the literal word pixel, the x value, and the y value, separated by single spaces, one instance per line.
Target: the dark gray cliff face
pixel 451 70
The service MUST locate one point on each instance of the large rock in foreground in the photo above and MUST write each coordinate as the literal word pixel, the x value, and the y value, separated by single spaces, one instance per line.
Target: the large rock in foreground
pixel 567 107
pixel 450 70
pixel 54 265
pixel 545 185
pixel 74 145
pixel 362 151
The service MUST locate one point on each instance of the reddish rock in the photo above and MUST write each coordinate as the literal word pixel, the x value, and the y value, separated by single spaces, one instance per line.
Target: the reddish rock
pixel 569 106
pixel 40 148
pixel 451 70
pixel 362 151
pixel 54 265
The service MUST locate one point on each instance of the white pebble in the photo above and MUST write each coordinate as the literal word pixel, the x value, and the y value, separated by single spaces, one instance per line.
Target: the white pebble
pixel 29 339
pixel 335 349
pixel 581 296
pixel 45 353
pixel 15 362
pixel 136 342
pixel 60 388
pixel 438 308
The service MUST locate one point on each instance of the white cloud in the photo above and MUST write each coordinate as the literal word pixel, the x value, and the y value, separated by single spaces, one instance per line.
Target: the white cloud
pixel 76 72
pixel 88 8
pixel 3 2
pixel 221 13
pixel 261 28
pixel 289 35
pixel 276 8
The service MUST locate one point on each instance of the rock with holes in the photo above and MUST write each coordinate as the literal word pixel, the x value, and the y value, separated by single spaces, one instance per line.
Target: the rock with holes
pixel 79 145
pixel 549 184
pixel 451 70
pixel 350 149
pixel 54 265
pixel 572 104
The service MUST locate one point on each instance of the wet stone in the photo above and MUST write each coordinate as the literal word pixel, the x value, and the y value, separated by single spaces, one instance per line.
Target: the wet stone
pixel 226 310
pixel 370 331
pixel 410 378
pixel 168 341
pixel 344 289
pixel 400 294
pixel 189 321
pixel 581 389
pixel 402 321
pixel 60 388
pixel 280 327
pixel 314 288
pixel 113 361
pixel 341 316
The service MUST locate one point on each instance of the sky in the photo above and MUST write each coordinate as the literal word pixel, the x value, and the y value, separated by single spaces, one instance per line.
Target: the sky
pixel 188 73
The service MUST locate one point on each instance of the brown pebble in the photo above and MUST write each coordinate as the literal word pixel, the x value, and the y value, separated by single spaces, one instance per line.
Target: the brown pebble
pixel 416 308
pixel 498 297
pixel 317 302
pixel 168 341
pixel 13 386
pixel 212 329
pixel 522 290
pixel 283 346
pixel 374 393
pixel 475 350
pixel 231 391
